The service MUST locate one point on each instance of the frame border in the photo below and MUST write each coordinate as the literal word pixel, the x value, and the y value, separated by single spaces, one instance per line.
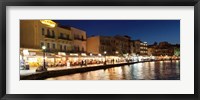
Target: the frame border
pixel 4 3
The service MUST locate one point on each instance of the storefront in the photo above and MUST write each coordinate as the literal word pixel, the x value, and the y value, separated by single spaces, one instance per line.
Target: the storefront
pixel 32 58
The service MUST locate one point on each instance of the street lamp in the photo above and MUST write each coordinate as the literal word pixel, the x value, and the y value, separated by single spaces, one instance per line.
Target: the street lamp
pixel 116 52
pixel 44 65
pixel 44 48
pixel 105 57
pixel 42 68
pixel 117 55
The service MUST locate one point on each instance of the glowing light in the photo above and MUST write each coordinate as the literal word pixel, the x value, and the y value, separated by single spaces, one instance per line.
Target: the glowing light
pixel 48 22
pixel 44 58
pixel 116 52
pixel 62 53
pixel 83 54
pixel 73 54
pixel 25 52
pixel 32 59
pixel 43 47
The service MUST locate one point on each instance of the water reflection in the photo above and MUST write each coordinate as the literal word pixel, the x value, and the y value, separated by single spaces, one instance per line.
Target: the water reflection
pixel 162 70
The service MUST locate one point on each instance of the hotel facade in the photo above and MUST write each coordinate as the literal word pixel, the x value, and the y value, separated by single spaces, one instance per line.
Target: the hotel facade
pixel 62 43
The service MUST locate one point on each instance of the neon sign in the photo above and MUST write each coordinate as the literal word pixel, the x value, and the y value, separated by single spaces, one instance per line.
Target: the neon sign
pixel 48 22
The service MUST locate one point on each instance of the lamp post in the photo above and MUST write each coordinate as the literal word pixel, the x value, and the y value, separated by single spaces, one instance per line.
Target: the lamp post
pixel 44 48
pixel 105 57
pixel 117 56
pixel 42 68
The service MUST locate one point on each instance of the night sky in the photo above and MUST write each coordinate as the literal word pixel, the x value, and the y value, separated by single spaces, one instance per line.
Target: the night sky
pixel 149 31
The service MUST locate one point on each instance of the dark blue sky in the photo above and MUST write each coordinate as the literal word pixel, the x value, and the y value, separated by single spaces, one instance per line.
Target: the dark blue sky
pixel 146 30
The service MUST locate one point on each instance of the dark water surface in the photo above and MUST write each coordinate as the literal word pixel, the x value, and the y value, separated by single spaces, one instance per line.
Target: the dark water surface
pixel 160 70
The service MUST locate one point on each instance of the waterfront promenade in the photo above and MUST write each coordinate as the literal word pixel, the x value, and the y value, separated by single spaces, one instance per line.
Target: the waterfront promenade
pixel 59 71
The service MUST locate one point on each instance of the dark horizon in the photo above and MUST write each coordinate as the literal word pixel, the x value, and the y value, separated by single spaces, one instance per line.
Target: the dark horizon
pixel 149 31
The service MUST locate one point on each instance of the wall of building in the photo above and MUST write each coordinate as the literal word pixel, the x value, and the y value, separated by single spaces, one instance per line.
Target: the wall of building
pixel 123 44
pixel 79 41
pixel 100 44
pixel 93 45
pixel 107 44
pixel 34 34
pixel 46 36
pixel 27 34
pixel 64 40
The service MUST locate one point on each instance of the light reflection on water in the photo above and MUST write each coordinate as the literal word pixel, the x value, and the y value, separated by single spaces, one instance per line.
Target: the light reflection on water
pixel 162 70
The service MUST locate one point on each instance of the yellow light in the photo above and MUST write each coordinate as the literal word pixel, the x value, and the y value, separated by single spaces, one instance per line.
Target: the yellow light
pixel 48 22
pixel 43 47
pixel 25 52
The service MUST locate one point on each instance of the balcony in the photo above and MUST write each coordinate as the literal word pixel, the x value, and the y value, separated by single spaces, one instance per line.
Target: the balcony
pixel 49 36
pixel 64 38
pixel 50 50
pixel 81 39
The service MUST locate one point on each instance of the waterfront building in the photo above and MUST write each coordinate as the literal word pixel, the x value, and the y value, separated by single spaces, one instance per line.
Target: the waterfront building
pixel 79 40
pixel 116 45
pixel 36 33
pixel 139 47
pixel 164 49
pixel 61 43
pixel 143 48
pixel 132 48
pixel 123 44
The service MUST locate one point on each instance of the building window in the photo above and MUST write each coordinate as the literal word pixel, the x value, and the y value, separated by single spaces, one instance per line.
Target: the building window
pixel 60 47
pixel 65 48
pixel 48 32
pixel 42 44
pixel 54 45
pixel 82 37
pixel 61 34
pixel 82 49
pixel 43 31
pixel 67 36
pixel 48 45
pixel 53 33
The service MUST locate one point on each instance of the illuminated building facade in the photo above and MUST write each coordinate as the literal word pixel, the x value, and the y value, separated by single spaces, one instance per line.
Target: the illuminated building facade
pixel 60 42
pixel 79 40
pixel 35 33
pixel 116 45
pixel 164 49
pixel 123 44
pixel 139 47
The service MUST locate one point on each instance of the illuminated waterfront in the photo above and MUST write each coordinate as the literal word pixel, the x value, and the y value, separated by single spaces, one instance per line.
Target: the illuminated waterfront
pixel 160 70
pixel 67 50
